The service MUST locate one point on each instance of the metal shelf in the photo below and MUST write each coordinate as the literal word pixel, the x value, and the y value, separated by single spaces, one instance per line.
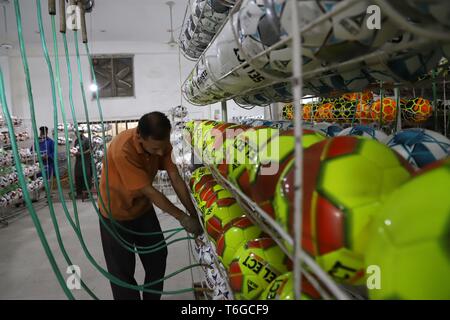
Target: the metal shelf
pixel 366 60
pixel 216 262
pixel 279 235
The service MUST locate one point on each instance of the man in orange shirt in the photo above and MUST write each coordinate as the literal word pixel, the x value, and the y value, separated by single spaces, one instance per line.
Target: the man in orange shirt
pixel 134 157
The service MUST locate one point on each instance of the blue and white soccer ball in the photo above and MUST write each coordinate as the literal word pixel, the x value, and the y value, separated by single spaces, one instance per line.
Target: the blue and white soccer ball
pixel 224 56
pixel 364 131
pixel 208 15
pixel 408 65
pixel 430 12
pixel 420 147
pixel 328 129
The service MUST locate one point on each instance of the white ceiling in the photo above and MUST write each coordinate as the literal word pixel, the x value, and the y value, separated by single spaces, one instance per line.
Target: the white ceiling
pixel 111 20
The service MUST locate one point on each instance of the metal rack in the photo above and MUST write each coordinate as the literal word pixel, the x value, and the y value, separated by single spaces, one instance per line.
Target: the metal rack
pixel 14 209
pixel 297 77
pixel 365 60
pixel 279 235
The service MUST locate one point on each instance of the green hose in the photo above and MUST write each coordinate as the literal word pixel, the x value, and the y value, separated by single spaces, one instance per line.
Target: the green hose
pixel 72 106
pixel 24 187
pixel 27 199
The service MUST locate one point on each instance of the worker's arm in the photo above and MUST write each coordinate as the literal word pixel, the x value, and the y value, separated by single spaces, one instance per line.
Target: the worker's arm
pixel 162 202
pixel 182 191
pixel 190 223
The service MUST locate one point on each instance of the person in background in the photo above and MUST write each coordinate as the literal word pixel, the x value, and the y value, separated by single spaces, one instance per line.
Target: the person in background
pixel 134 158
pixel 80 186
pixel 47 148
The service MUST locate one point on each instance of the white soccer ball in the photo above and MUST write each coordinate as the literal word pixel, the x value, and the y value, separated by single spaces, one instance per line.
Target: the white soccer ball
pixel 364 131
pixel 420 147
pixel 226 57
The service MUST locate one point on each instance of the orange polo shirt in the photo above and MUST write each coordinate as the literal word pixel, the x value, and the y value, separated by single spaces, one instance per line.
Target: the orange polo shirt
pixel 130 168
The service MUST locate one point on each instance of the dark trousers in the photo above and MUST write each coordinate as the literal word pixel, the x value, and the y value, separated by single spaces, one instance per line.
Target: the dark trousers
pixel 121 262
pixel 79 177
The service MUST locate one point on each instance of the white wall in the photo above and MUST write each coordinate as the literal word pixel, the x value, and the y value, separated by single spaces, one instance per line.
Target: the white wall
pixel 4 65
pixel 157 84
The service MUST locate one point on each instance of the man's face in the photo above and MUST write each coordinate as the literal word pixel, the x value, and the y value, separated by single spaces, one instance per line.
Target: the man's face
pixel 155 147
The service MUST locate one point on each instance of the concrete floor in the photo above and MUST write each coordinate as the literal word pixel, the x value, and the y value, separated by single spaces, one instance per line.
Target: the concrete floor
pixel 25 272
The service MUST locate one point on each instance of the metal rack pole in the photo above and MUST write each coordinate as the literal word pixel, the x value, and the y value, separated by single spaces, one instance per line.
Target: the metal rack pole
pixel 223 105
pixel 297 86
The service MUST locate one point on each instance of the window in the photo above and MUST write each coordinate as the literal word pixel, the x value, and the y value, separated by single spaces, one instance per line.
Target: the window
pixel 115 75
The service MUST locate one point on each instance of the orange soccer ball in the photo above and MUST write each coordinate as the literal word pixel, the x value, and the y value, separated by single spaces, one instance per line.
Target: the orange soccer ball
pixel 385 113
pixel 324 112
pixel 417 110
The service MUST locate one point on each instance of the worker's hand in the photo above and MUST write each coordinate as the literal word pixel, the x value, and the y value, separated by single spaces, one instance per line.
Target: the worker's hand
pixel 191 224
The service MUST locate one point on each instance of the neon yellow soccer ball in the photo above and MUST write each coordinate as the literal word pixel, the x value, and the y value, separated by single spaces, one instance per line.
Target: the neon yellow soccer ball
pixel 218 213
pixel 345 181
pixel 235 234
pixel 256 265
pixel 410 240
pixel 243 154
pixel 282 288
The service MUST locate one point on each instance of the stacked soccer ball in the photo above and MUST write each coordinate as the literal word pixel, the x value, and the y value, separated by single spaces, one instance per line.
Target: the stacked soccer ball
pixel 361 108
pixel 226 69
pixel 358 199
pixel 201 25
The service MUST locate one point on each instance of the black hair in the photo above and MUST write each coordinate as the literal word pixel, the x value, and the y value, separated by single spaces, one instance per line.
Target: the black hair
pixel 155 125
pixel 43 130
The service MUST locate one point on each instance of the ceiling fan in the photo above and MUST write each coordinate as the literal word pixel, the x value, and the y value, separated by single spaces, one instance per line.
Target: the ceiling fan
pixel 172 41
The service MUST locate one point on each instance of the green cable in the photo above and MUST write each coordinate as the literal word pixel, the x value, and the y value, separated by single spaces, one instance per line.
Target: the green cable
pixel 26 194
pixel 128 246
pixel 104 272
pixel 55 114
pixel 37 149
pixel 105 152
pixel 72 106
pixel 63 115
pixel 55 133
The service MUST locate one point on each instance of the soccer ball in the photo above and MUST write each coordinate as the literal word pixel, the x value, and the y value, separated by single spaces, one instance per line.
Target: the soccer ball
pixel 210 195
pixel 422 11
pixel 198 184
pixel 209 14
pixel 272 158
pixel 243 154
pixel 363 111
pixel 219 213
pixel 324 112
pixel 282 288
pixel 365 96
pixel 327 129
pixel 256 265
pixel 347 80
pixel 213 139
pixel 409 65
pixel 224 55
pixel 364 131
pixel 197 174
pixel 288 111
pixel 222 139
pixel 419 147
pixel 347 111
pixel 262 24
pixel 345 181
pixel 388 111
pixel 409 239
pixel 235 234
pixel 222 150
pixel 417 110
pixel 309 110
pixel 255 99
